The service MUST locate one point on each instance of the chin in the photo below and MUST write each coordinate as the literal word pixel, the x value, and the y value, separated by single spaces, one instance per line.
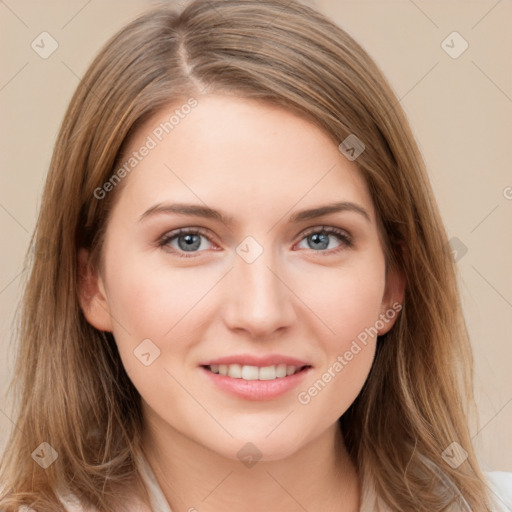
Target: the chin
pixel 259 447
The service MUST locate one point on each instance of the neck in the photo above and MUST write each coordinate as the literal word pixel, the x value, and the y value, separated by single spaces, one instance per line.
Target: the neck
pixel 193 478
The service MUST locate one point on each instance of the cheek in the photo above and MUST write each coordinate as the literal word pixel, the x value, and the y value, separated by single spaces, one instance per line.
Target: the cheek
pixel 150 300
pixel 348 303
pixel 160 304
pixel 155 304
pixel 346 300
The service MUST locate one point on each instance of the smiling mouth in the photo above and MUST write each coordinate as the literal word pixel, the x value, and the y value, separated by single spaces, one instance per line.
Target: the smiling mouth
pixel 247 372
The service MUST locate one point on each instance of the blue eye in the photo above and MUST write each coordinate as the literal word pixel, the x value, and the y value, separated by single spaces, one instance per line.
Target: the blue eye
pixel 318 239
pixel 190 240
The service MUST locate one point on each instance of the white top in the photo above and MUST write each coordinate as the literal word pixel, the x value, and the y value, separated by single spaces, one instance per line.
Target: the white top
pixel 156 496
pixel 500 484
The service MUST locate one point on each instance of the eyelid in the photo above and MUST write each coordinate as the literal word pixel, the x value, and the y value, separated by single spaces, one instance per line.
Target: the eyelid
pixel 326 229
pixel 343 235
pixel 345 238
pixel 167 237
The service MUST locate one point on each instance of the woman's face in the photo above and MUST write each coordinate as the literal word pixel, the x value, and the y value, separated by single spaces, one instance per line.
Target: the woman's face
pixel 260 274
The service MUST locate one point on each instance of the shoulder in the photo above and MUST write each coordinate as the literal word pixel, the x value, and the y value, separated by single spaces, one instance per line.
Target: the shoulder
pixel 69 501
pixel 500 483
pixel 72 504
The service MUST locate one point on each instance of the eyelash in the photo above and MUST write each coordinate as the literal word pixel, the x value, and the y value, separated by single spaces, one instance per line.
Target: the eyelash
pixel 342 235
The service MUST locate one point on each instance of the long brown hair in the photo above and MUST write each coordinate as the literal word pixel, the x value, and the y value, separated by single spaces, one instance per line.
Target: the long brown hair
pixel 71 388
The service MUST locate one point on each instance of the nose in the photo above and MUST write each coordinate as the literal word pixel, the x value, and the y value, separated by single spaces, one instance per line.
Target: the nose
pixel 259 300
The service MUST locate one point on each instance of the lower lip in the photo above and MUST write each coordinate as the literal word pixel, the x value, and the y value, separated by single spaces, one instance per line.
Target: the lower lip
pixel 256 389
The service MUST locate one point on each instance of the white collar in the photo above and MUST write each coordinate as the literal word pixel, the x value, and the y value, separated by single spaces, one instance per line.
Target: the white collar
pixel 156 496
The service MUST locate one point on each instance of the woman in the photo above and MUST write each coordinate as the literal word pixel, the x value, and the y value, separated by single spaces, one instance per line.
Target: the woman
pixel 247 299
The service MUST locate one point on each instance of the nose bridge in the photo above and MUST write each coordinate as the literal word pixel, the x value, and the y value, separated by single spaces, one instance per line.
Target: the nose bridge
pixel 259 301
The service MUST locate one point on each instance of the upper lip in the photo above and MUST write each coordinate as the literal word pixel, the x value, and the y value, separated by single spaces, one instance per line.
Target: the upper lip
pixel 261 361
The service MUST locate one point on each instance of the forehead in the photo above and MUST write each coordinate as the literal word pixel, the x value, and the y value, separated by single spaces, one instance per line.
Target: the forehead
pixel 230 149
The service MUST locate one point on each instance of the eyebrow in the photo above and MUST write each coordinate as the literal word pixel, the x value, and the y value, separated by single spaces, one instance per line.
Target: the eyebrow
pixel 210 213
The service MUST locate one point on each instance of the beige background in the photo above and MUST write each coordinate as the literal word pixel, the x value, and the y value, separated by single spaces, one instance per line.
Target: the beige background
pixel 460 110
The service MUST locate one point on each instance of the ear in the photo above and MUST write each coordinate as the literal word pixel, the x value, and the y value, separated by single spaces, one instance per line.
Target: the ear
pixel 91 294
pixel 392 299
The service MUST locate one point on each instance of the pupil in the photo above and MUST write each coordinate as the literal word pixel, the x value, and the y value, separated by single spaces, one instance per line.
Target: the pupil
pixel 322 238
pixel 191 242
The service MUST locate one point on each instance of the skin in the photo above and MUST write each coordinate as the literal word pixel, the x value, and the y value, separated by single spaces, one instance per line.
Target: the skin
pixel 258 164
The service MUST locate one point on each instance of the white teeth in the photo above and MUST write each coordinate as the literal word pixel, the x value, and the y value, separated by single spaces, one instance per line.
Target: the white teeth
pixel 246 372
pixel 281 370
pixel 250 372
pixel 235 371
pixel 268 373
